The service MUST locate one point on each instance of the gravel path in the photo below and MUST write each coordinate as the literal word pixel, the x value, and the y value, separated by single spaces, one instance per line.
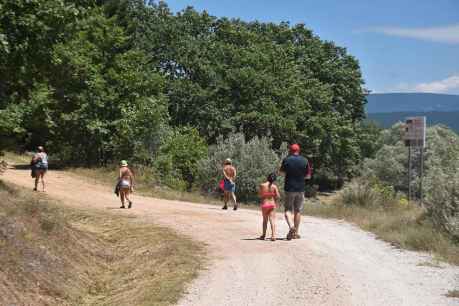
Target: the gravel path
pixel 334 263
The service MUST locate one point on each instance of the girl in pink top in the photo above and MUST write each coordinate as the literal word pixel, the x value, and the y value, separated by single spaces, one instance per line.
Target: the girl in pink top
pixel 269 193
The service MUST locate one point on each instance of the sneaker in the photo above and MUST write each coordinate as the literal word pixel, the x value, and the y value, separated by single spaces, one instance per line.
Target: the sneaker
pixel 235 207
pixel 130 204
pixel 225 207
pixel 122 206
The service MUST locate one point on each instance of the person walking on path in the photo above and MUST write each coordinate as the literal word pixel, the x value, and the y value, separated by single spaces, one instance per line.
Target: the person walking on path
pixel 295 168
pixel 269 193
pixel 39 167
pixel 125 183
pixel 229 185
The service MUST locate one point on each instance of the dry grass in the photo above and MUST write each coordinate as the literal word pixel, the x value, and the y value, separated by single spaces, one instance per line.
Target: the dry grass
pixel 61 256
pixel 12 157
pixel 145 184
pixel 405 226
pixel 453 294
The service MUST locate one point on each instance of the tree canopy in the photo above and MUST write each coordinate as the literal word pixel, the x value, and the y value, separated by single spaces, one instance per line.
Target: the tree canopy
pixel 100 80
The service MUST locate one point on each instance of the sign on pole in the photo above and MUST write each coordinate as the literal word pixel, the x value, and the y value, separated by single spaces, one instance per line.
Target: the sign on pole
pixel 415 131
pixel 415 137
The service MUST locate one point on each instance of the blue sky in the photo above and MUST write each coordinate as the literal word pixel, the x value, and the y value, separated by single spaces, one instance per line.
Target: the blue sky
pixel 402 46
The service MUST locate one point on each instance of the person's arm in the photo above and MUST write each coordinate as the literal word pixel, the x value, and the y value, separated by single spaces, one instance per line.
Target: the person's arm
pixel 35 158
pixel 277 192
pixel 281 170
pixel 131 177
pixel 225 175
pixel 307 172
pixel 120 175
pixel 260 191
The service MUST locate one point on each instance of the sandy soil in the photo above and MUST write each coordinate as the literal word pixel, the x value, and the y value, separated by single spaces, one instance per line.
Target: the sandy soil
pixel 334 263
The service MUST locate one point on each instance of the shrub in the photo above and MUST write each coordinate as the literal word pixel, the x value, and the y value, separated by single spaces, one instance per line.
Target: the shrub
pixel 366 193
pixel 253 159
pixel 178 157
pixel 442 201
pixel 441 172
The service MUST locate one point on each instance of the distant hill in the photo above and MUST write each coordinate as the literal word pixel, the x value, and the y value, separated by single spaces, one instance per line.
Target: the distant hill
pixel 450 119
pixel 387 109
pixel 411 102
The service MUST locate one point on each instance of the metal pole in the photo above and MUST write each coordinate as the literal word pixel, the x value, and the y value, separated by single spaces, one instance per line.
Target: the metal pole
pixel 422 175
pixel 409 173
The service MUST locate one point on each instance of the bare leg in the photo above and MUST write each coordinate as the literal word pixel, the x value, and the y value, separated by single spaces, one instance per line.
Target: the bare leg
pixel 126 195
pixel 272 221
pixel 42 176
pixel 265 224
pixel 225 200
pixel 287 218
pixel 297 221
pixel 37 178
pixel 122 198
pixel 233 196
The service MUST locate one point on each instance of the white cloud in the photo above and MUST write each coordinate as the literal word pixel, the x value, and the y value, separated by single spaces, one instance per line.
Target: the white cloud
pixel 446 34
pixel 448 85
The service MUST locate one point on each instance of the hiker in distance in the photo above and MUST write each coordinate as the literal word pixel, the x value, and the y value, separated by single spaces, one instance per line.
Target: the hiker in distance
pixel 125 185
pixel 39 164
pixel 229 185
pixel 269 193
pixel 295 168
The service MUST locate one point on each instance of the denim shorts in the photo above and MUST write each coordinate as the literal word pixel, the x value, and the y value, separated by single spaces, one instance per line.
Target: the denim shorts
pixel 228 186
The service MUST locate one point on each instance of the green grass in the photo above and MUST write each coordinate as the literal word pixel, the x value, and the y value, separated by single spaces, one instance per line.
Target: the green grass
pixel 61 256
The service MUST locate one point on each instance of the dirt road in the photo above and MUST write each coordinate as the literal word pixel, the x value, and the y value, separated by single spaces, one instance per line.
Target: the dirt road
pixel 333 264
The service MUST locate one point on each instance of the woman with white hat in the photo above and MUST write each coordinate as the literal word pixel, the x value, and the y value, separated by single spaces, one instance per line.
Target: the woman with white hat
pixel 125 183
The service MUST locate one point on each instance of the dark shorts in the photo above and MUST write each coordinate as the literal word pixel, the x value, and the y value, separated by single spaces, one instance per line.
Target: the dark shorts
pixel 294 201
pixel 228 186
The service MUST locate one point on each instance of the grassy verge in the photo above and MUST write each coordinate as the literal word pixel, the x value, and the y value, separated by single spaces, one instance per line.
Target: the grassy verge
pixel 62 256
pixel 405 226
pixel 145 184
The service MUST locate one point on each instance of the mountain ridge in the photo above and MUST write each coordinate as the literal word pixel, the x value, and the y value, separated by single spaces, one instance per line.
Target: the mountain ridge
pixel 411 102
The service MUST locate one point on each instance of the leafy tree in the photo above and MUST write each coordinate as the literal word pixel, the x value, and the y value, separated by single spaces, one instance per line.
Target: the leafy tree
pixel 260 79
pixel 179 155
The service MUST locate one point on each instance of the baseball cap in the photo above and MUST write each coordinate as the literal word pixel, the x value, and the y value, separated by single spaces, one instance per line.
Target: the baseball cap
pixel 295 148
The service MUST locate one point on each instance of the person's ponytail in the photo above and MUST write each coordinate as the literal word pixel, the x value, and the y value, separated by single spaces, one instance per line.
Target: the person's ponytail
pixel 271 178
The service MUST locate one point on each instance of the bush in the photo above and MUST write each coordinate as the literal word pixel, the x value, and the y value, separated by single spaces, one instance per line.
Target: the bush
pixel 178 157
pixel 253 159
pixel 442 201
pixel 441 160
pixel 366 193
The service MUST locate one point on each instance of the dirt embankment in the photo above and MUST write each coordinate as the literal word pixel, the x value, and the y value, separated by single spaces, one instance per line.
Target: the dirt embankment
pixel 54 255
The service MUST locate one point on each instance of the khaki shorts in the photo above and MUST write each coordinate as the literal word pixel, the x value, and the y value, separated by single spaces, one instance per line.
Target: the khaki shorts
pixel 294 201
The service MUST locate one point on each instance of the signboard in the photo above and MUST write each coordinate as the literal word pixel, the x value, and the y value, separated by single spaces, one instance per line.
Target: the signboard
pixel 415 131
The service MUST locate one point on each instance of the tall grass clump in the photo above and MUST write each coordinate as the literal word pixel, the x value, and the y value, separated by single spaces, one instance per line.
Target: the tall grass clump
pixel 376 207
